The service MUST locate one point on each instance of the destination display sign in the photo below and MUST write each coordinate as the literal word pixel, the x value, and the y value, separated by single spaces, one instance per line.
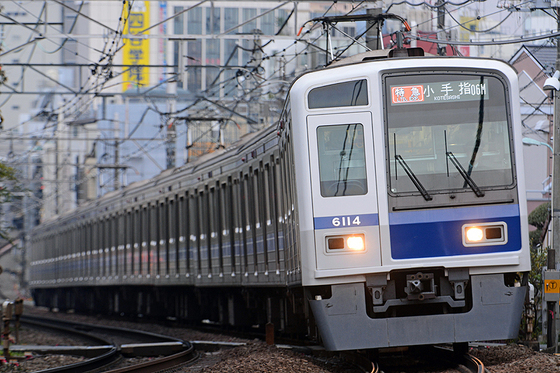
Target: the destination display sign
pixel 440 92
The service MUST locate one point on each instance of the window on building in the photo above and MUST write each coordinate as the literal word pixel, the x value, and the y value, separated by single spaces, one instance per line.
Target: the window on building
pixel 212 59
pixel 194 51
pixel 249 13
pixel 194 21
pixel 212 20
pixel 231 19
pixel 246 51
pixel 281 16
pixel 267 23
pixel 178 22
pixel 231 56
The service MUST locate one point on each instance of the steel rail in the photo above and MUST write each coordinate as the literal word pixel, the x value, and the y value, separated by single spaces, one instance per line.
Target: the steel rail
pixel 468 361
pixel 86 331
pixel 361 361
pixel 473 364
pixel 83 366
pixel 183 357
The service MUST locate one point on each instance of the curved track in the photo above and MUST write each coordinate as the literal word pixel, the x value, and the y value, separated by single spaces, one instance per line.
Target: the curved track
pixel 117 342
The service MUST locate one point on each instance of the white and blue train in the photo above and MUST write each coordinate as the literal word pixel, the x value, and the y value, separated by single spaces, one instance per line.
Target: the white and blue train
pixel 385 208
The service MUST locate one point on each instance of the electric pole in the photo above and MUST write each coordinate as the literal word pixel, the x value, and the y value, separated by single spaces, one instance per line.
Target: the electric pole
pixel 441 48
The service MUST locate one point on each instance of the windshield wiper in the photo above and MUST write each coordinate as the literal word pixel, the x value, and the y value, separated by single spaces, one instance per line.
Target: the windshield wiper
pixel 413 178
pixel 465 175
pixel 478 134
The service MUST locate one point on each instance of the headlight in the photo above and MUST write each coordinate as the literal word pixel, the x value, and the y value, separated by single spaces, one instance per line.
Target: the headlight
pixel 485 234
pixel 355 243
pixel 352 242
pixel 474 234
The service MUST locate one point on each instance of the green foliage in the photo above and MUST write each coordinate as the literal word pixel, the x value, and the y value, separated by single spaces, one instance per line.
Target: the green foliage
pixel 8 186
pixel 539 216
pixel 538 261
pixel 535 239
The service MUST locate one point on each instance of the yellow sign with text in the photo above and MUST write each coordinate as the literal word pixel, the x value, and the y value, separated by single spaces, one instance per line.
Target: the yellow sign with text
pixel 552 286
pixel 136 52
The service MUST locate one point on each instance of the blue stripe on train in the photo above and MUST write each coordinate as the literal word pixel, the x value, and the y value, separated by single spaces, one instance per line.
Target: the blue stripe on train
pixel 345 221
pixel 436 233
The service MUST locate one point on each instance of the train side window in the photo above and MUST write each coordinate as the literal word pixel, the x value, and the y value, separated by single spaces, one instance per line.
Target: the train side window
pixel 182 235
pixel 94 247
pixel 145 245
pixel 169 230
pixel 267 195
pixel 213 208
pixel 201 228
pixel 342 165
pixel 80 260
pixel 176 230
pixel 260 198
pixel 103 235
pixel 194 225
pixel 243 218
pixel 120 238
pixel 353 93
pixel 111 222
pixel 163 237
pixel 219 207
pixel 130 243
pixel 148 224
pixel 188 225
pixel 257 192
pixel 137 248
pixel 123 248
pixel 235 223
pixel 154 240
pixel 223 230
pixel 132 221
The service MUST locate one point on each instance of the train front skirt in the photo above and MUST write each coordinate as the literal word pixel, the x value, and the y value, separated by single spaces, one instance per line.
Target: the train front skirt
pixel 344 324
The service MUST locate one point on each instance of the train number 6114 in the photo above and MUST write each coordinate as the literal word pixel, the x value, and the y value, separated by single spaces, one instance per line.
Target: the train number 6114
pixel 346 221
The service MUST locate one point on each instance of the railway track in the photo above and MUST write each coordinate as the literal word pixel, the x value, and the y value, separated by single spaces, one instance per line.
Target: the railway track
pixel 473 364
pixel 111 345
pixel 426 358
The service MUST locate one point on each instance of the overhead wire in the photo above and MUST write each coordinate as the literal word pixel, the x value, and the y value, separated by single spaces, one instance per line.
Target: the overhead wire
pixel 221 84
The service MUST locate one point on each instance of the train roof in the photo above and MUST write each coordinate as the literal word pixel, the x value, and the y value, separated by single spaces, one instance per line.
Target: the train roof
pixel 380 54
pixel 137 188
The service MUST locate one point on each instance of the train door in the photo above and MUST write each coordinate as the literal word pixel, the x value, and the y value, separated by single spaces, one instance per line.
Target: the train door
pixel 344 194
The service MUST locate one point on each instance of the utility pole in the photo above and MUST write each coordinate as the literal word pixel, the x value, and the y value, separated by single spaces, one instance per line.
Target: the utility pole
pixel 441 48
pixel 169 122
pixel 552 275
pixel 556 164
pixel 170 142
pixel 555 213
pixel 117 184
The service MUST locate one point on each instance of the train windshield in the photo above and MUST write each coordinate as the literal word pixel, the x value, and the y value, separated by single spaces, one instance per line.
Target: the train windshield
pixel 447 132
pixel 342 165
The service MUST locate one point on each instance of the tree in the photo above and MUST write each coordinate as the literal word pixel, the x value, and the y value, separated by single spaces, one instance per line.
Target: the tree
pixel 8 186
pixel 538 218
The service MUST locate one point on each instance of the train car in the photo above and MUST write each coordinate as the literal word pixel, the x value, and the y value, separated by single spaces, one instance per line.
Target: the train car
pixel 385 208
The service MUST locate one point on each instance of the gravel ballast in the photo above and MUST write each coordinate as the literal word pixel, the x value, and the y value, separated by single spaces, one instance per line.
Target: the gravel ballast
pixel 256 356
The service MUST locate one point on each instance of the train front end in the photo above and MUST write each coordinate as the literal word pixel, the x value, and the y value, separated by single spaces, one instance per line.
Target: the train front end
pixel 415 230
